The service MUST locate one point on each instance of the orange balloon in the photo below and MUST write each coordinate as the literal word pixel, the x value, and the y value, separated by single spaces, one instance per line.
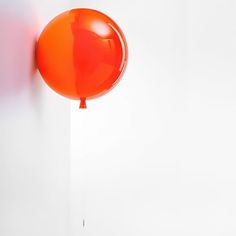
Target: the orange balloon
pixel 82 54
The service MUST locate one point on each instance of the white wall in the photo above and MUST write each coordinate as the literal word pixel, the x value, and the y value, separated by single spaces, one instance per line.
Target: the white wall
pixel 34 128
pixel 156 156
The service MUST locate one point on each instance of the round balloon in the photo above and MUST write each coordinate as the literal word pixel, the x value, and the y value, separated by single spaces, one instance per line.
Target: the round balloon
pixel 82 54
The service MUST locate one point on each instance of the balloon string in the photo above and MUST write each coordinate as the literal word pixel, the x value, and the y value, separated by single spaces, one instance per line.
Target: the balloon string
pixel 83 103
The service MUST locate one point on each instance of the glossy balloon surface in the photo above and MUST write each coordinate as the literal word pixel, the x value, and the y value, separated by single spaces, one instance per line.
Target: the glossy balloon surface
pixel 82 54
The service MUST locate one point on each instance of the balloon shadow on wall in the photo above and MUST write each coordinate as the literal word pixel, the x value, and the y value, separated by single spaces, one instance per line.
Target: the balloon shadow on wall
pixel 19 28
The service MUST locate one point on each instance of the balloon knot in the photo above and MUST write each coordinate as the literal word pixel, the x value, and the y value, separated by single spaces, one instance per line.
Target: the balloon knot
pixel 83 103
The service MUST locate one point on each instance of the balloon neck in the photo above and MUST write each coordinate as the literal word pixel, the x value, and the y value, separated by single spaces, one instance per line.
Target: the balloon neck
pixel 83 103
